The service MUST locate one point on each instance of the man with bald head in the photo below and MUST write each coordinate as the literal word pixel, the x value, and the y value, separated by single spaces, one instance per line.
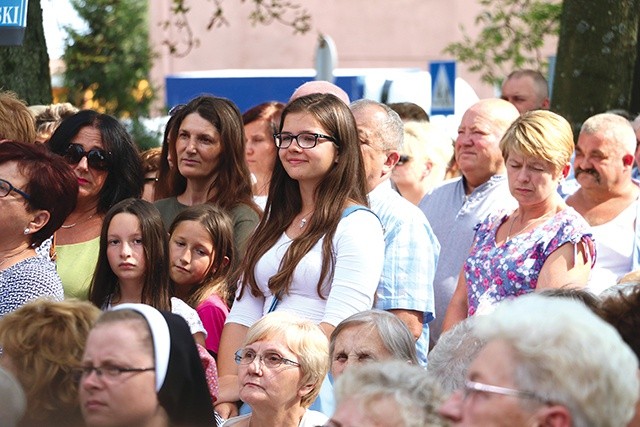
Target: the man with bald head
pixel 320 86
pixel 527 90
pixel 608 197
pixel 411 249
pixel 455 207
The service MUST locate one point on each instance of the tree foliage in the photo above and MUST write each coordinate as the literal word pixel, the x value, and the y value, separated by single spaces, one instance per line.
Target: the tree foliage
pixel 108 65
pixel 597 58
pixel 25 69
pixel 263 12
pixel 512 36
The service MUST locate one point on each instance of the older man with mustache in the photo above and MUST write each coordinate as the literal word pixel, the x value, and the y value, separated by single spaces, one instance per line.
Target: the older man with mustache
pixel 608 197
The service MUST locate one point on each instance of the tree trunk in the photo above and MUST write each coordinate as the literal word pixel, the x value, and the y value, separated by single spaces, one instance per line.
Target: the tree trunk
pixel 25 69
pixel 634 108
pixel 596 57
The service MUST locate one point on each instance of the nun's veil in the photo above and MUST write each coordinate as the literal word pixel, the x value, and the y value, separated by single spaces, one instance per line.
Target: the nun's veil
pixel 180 380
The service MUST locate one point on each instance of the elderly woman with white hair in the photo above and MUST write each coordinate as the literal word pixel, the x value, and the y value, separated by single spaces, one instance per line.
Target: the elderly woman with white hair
pixel 386 394
pixel 425 154
pixel 370 336
pixel 547 361
pixel 282 364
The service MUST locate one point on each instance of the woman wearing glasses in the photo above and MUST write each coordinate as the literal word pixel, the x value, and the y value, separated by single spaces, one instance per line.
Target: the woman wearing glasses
pixel 281 366
pixel 314 252
pixel 140 367
pixel 37 192
pixel 108 169
pixel 207 143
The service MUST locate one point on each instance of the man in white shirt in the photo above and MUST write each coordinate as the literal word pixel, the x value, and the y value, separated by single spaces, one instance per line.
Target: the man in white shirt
pixel 608 197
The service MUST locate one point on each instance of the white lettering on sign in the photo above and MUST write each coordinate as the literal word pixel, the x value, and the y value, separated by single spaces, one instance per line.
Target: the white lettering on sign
pixel 9 15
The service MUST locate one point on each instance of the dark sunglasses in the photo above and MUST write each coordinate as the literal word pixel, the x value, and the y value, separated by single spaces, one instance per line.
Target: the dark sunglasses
pixel 96 158
pixel 403 159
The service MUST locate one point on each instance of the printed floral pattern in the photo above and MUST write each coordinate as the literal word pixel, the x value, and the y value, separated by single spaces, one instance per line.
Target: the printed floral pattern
pixel 498 272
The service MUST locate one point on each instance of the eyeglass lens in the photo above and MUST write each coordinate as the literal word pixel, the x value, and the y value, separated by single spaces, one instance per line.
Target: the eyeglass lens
pixel 97 159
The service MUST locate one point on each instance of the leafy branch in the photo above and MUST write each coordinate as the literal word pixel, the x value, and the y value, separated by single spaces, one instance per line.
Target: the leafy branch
pixel 512 37
pixel 264 12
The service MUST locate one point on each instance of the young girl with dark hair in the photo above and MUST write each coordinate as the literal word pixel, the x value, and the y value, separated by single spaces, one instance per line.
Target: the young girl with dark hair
pixel 200 254
pixel 132 263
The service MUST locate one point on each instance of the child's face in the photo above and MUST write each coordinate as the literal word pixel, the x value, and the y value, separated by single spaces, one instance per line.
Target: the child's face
pixel 125 249
pixel 191 253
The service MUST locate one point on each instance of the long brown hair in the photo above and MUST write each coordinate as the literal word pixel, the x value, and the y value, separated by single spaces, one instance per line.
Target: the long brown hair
pixel 219 226
pixel 156 289
pixel 345 183
pixel 232 185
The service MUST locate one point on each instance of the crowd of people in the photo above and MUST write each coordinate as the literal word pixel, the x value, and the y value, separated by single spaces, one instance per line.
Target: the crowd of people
pixel 320 262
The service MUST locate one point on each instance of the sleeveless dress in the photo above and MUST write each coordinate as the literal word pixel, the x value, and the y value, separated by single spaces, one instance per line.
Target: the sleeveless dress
pixel 497 272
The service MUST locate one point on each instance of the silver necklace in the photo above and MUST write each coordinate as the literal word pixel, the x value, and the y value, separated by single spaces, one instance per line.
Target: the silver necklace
pixel 516 216
pixel 76 223
pixel 303 221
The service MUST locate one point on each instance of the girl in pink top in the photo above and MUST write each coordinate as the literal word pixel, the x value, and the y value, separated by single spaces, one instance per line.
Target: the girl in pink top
pixel 200 251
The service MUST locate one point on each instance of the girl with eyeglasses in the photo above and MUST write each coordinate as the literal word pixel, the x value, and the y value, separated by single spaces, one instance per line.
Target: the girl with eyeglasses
pixel 140 367
pixel 316 252
pixel 37 192
pixel 108 169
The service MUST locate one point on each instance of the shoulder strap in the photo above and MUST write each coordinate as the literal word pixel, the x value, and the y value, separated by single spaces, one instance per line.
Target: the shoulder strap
pixel 351 209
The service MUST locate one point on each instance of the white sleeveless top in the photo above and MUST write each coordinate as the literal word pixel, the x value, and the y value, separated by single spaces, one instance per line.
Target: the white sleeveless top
pixel 614 248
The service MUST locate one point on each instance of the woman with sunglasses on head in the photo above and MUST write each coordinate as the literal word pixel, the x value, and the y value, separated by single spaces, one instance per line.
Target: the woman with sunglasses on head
pixel 37 192
pixel 206 145
pixel 316 252
pixel 108 169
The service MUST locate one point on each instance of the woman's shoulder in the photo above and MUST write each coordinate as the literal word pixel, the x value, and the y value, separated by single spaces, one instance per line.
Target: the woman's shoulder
pixel 313 418
pixel 236 421
pixel 36 276
pixel 243 210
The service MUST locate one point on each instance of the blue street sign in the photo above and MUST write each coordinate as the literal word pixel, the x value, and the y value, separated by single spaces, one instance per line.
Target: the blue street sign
pixel 13 21
pixel 443 83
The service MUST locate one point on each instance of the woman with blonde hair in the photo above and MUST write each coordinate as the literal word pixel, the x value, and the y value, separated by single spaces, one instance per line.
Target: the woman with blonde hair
pixel 281 366
pixel 424 157
pixel 543 243
pixel 42 342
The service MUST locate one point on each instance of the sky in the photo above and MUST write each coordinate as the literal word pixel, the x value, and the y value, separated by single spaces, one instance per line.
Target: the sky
pixel 55 15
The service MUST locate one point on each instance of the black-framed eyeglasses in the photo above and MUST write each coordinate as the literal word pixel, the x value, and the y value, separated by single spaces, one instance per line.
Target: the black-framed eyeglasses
pixel 305 140
pixel 471 387
pixel 270 359
pixel 96 158
pixel 6 187
pixel 107 372
pixel 403 159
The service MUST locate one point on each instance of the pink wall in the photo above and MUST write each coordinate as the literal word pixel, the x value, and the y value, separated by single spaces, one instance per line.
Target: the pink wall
pixel 367 33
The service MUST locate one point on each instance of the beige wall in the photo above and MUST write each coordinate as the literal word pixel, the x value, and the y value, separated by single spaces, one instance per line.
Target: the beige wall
pixel 367 33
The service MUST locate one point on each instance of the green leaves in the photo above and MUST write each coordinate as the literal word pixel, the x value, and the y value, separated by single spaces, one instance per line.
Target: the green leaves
pixel 513 33
pixel 109 61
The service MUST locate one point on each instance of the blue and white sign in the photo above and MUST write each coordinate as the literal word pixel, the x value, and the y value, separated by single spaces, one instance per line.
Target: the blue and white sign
pixel 443 79
pixel 13 21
